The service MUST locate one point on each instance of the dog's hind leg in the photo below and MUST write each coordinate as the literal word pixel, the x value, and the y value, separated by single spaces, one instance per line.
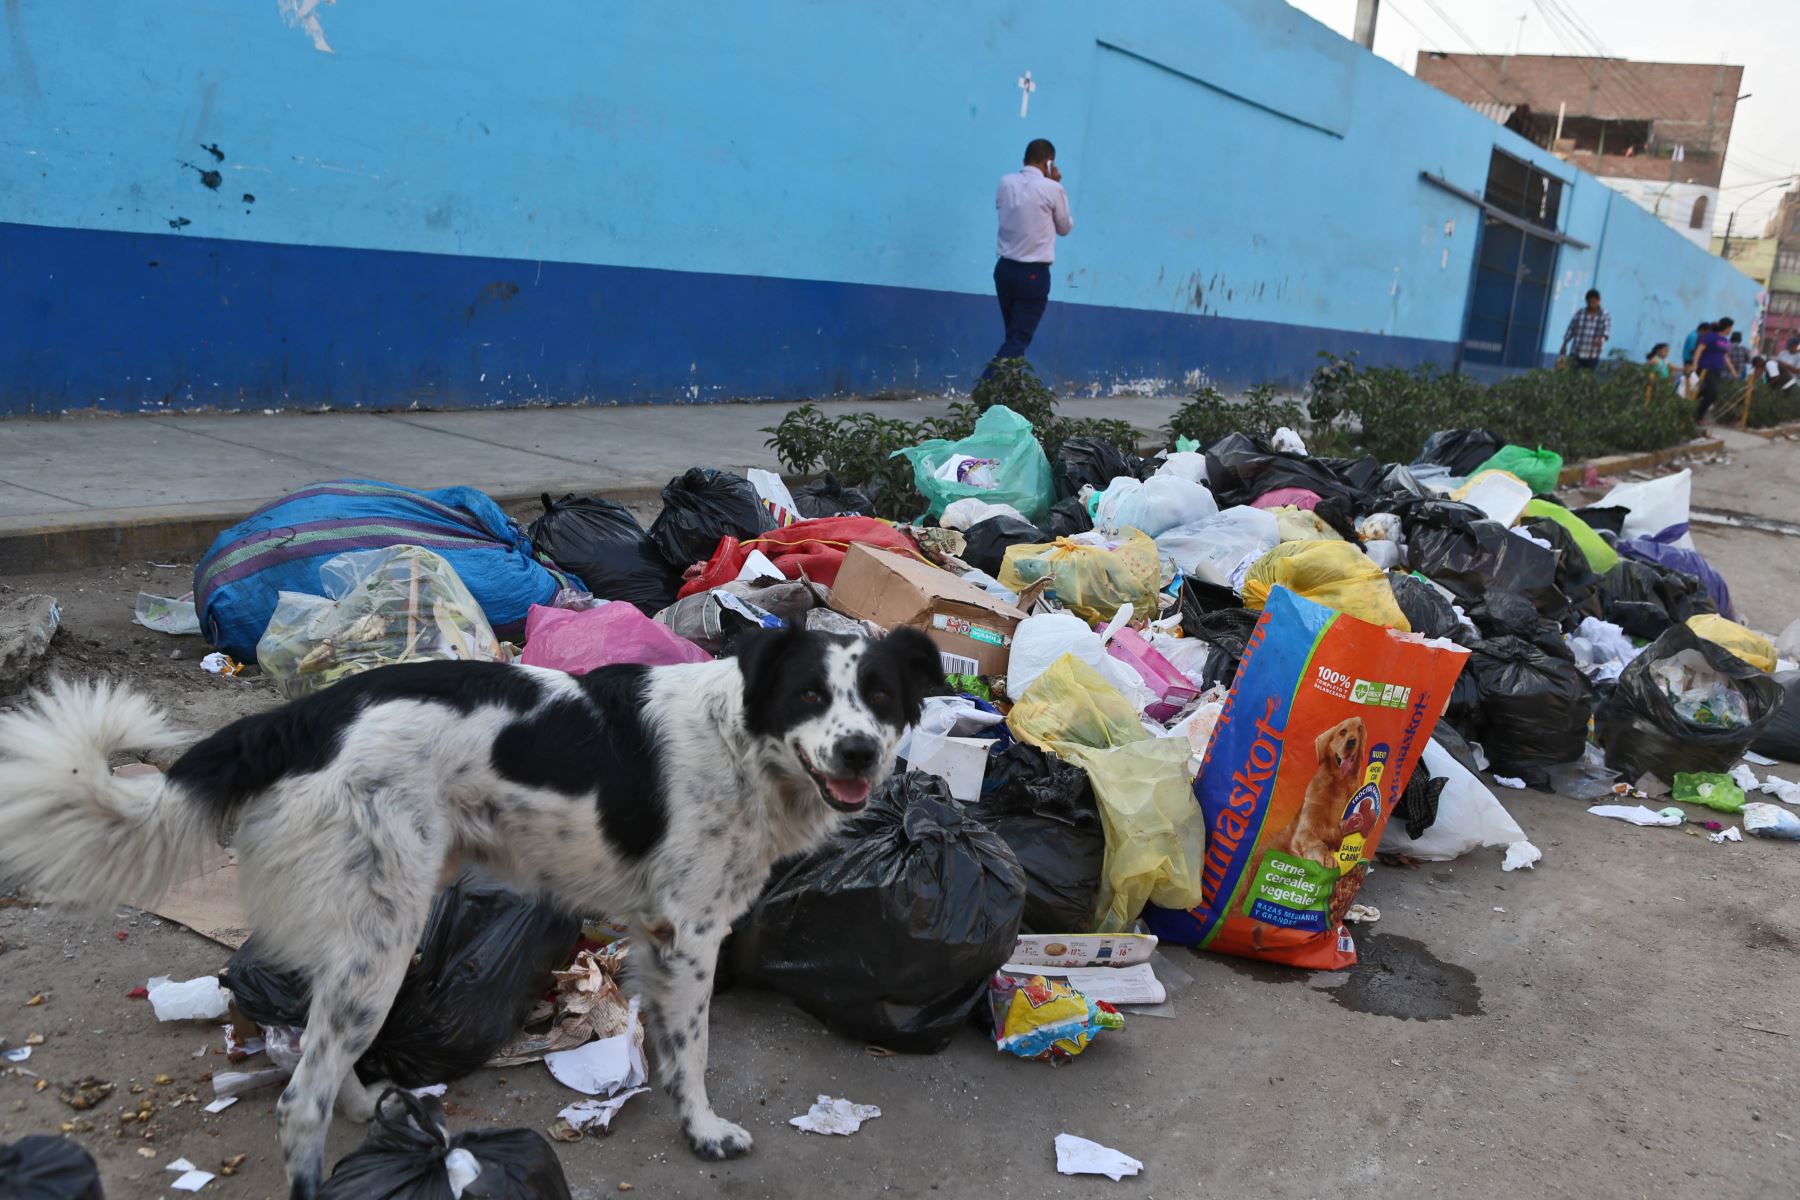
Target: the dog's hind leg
pixel 677 979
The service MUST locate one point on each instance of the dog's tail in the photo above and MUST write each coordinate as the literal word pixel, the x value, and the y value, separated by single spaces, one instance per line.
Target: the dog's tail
pixel 73 831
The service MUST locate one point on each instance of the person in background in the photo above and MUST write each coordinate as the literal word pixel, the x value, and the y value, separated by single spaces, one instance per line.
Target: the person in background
pixel 1713 360
pixel 1587 333
pixel 1688 347
pixel 1790 357
pixel 1658 359
pixel 1739 354
pixel 1034 212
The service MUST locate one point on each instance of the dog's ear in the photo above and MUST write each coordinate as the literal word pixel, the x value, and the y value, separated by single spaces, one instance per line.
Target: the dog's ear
pixel 919 664
pixel 1322 743
pixel 759 656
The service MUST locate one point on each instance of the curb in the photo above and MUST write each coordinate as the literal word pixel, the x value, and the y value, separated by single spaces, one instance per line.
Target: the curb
pixel 56 542
pixel 1613 464
pixel 1771 432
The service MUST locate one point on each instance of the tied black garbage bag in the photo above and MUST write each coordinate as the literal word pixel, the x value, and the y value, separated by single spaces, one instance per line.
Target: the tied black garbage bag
pixel 890 932
pixel 1533 710
pixel 1425 607
pixel 1456 546
pixel 41 1167
pixel 1507 614
pixel 829 498
pixel 1044 809
pixel 985 542
pixel 1462 450
pixel 1069 517
pixel 1644 599
pixel 701 507
pixel 602 544
pixel 1780 738
pixel 403 1158
pixel 1605 518
pixel 1574 578
pixel 1088 461
pixel 483 959
pixel 1641 728
pixel 1239 468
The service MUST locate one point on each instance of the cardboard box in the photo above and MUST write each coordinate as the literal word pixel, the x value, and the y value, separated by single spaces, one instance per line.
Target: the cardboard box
pixel 972 629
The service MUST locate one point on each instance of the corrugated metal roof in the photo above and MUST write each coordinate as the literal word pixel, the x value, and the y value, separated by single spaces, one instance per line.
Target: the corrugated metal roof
pixel 1495 111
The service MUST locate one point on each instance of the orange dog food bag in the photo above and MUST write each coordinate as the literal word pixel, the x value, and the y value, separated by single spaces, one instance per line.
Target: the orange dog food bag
pixel 1323 727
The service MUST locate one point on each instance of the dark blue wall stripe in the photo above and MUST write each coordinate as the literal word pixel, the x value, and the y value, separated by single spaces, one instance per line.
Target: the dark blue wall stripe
pixel 126 322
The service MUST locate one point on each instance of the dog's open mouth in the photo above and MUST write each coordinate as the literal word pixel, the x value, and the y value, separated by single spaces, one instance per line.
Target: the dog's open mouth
pixel 847 795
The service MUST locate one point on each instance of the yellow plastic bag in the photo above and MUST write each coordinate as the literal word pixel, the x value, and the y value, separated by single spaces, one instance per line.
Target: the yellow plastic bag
pixel 1747 644
pixel 1304 525
pixel 1090 581
pixel 1336 574
pixel 1155 833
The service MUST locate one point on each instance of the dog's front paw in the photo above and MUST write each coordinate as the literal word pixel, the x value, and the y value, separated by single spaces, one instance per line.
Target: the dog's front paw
pixel 357 1101
pixel 715 1138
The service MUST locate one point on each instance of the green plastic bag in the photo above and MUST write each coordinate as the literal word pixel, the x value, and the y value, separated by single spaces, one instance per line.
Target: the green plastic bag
pixel 1600 556
pixel 1540 468
pixel 1001 462
pixel 1709 790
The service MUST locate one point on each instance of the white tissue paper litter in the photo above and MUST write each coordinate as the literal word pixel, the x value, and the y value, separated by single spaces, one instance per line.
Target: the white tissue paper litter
pixel 461 1168
pixel 602 1067
pixel 436 1089
pixel 834 1116
pixel 1078 1156
pixel 1637 814
pixel 17 1054
pixel 595 1116
pixel 180 1164
pixel 1745 778
pixel 192 1178
pixel 1761 760
pixel 1730 834
pixel 221 1104
pixel 199 999
pixel 1521 854
pixel 1508 781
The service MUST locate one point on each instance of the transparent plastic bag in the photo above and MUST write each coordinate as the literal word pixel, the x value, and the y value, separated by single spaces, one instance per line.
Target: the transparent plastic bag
pixel 1019 473
pixel 393 605
pixel 1152 506
pixel 1090 581
pixel 1335 574
pixel 1210 550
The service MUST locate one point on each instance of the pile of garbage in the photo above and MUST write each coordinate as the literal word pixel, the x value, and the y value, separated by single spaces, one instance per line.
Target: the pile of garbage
pixel 1188 699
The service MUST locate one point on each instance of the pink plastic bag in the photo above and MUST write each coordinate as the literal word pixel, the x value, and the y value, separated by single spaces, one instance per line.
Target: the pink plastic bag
pixel 1173 689
pixel 1301 498
pixel 578 642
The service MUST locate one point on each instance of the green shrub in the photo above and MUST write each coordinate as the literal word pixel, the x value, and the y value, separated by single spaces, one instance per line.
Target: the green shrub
pixel 1772 406
pixel 1209 415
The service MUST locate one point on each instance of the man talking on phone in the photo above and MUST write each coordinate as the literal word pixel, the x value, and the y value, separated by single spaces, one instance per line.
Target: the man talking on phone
pixel 1034 212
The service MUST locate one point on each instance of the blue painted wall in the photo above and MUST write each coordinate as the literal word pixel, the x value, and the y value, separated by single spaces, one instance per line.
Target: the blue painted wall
pixel 472 204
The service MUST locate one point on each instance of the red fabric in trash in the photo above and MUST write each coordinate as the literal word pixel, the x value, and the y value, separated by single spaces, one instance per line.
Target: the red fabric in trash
pixel 1281 497
pixel 816 547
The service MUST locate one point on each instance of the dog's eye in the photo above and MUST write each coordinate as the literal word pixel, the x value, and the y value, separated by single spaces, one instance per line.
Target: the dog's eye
pixel 878 697
pixel 811 696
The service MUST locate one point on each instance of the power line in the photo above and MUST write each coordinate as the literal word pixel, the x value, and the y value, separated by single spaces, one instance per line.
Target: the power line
pixel 1451 59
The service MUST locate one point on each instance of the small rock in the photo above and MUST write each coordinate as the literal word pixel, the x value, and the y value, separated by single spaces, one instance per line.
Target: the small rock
pixel 27 623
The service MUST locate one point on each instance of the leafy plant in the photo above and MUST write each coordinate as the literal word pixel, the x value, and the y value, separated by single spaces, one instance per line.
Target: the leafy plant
pixel 1209 414
pixel 857 448
pixel 1012 382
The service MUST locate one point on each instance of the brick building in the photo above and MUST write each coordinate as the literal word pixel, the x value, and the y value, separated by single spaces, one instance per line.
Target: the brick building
pixel 1654 131
pixel 1782 319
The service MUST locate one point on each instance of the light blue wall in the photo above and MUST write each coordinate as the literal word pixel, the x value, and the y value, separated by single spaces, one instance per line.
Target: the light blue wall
pixel 774 200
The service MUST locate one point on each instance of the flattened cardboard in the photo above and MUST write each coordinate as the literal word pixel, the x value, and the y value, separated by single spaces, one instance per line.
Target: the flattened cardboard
pixel 893 589
pixel 206 901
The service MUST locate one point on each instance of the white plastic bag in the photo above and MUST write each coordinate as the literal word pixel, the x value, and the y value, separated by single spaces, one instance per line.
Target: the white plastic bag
pixel 772 490
pixel 1042 639
pixel 1468 815
pixel 1287 441
pixel 1655 505
pixel 1184 464
pixel 973 510
pixel 1211 549
pixel 1152 505
pixel 1502 497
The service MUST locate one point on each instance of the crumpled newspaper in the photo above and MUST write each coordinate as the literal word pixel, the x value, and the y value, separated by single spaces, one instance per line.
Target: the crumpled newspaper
pixel 588 1005
pixel 834 1116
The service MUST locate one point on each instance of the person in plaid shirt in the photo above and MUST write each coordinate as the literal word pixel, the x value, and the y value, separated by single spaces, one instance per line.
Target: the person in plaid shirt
pixel 1588 330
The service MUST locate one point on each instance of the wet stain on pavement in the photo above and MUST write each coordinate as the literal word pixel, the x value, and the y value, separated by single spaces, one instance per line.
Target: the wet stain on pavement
pixel 1398 977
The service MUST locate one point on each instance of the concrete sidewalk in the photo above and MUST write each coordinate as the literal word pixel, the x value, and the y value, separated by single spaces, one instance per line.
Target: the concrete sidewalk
pixel 88 491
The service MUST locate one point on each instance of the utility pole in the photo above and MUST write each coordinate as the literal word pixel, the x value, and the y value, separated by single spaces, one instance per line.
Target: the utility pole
pixel 1725 245
pixel 1365 23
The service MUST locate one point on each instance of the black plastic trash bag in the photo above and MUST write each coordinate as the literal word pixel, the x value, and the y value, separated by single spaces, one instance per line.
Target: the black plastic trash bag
pixel 985 542
pixel 1605 519
pixel 1457 547
pixel 829 498
pixel 484 958
pixel 1068 518
pixel 1239 468
pixel 1462 450
pixel 1418 807
pixel 1426 609
pixel 1645 599
pixel 1641 727
pixel 1226 630
pixel 1088 461
pixel 1575 579
pixel 702 506
pixel 42 1167
pixel 1780 738
pixel 1507 614
pixel 403 1159
pixel 1044 809
pixel 1534 707
pixel 602 544
pixel 890 931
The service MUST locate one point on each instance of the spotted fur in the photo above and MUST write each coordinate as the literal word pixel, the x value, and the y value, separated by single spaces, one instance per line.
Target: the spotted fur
pixel 661 795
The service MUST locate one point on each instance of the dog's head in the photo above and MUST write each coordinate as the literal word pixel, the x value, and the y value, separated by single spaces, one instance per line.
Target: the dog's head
pixel 834 706
pixel 1341 747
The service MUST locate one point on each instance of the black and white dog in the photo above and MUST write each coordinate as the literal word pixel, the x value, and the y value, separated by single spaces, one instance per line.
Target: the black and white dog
pixel 658 795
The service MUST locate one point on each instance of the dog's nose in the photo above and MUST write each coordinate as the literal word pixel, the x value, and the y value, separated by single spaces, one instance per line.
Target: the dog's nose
pixel 858 753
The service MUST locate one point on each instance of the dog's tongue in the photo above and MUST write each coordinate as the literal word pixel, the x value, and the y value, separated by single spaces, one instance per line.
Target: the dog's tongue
pixel 849 791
